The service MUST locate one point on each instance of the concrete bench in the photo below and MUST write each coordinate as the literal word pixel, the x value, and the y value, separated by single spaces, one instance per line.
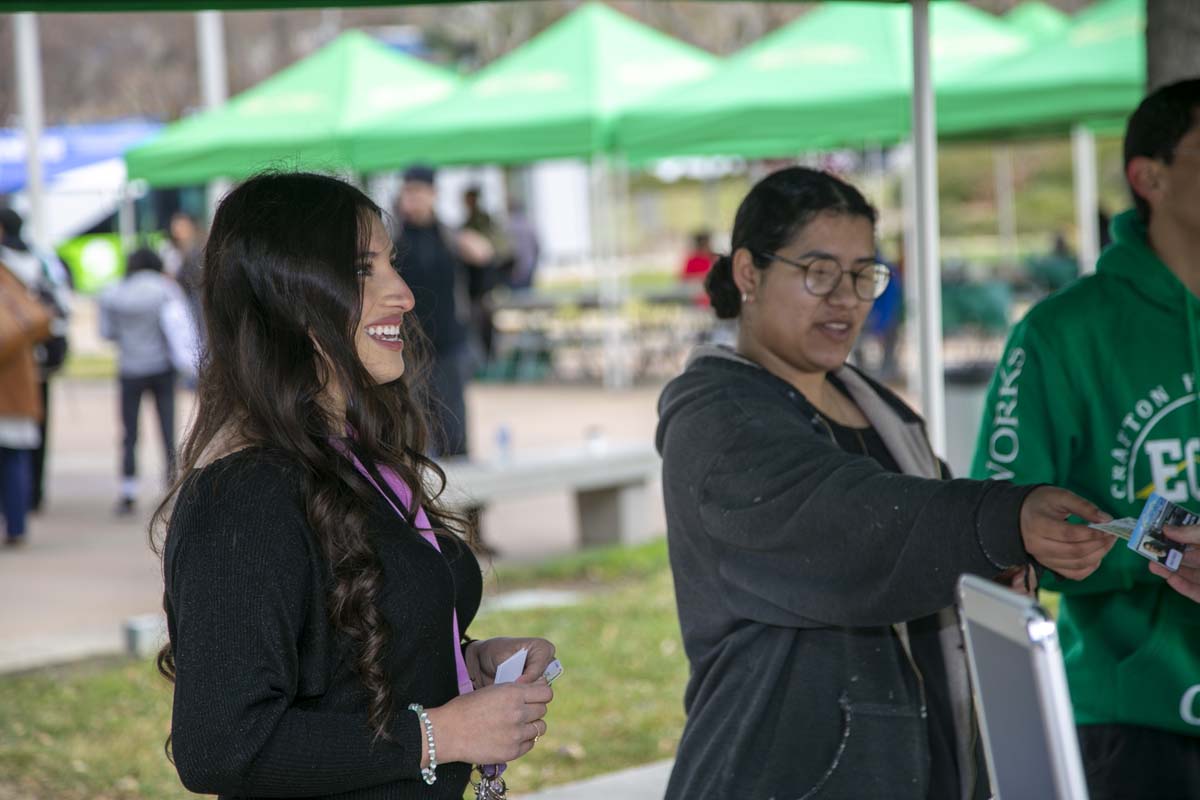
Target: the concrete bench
pixel 610 482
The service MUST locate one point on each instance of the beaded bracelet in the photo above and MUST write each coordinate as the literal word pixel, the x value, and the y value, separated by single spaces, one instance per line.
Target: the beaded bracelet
pixel 429 774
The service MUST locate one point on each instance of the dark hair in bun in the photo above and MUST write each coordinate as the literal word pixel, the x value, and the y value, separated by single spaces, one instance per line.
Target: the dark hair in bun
pixel 775 210
pixel 722 291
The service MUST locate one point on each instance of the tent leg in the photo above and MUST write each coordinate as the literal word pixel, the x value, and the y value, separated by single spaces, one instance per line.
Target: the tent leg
pixel 928 266
pixel 912 290
pixel 615 374
pixel 127 219
pixel 1087 200
pixel 214 81
pixel 29 89
pixel 1006 206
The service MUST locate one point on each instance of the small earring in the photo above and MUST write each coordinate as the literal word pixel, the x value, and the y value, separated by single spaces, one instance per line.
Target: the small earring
pixel 747 297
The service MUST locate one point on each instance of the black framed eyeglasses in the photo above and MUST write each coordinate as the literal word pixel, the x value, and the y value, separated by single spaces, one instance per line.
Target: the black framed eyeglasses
pixel 822 276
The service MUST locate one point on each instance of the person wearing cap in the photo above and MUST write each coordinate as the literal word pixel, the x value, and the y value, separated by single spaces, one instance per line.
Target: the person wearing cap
pixel 434 261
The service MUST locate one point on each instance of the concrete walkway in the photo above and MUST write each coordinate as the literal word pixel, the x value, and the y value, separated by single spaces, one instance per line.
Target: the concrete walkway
pixel 84 571
pixel 648 782
pixel 66 594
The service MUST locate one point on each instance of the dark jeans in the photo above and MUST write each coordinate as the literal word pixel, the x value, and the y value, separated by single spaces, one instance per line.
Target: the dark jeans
pixel 162 387
pixel 1127 762
pixel 15 479
pixel 448 404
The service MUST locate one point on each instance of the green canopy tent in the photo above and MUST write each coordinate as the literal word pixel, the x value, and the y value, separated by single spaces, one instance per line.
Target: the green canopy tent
pixel 1037 19
pixel 924 138
pixel 1082 80
pixel 833 77
pixel 557 96
pixel 1095 70
pixel 307 115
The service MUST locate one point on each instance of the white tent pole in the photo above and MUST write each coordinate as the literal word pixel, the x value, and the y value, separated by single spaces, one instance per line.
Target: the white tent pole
pixel 1006 205
pixel 621 201
pixel 604 264
pixel 878 171
pixel 214 82
pixel 29 91
pixel 712 197
pixel 618 232
pixel 928 266
pixel 912 293
pixel 127 218
pixel 1087 198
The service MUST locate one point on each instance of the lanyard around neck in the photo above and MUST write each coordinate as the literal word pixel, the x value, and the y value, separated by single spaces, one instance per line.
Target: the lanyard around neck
pixel 423 527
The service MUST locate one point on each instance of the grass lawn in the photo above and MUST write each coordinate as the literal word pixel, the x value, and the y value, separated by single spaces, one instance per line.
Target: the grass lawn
pixel 90 365
pixel 96 730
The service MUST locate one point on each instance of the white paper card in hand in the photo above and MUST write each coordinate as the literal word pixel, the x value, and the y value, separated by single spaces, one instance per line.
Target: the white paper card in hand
pixel 1121 528
pixel 512 667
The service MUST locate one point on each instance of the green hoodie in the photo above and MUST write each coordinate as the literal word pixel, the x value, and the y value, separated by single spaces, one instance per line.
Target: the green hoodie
pixel 1097 392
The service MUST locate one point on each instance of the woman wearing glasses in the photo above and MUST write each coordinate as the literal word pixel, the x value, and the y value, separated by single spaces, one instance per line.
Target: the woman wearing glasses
pixel 814 539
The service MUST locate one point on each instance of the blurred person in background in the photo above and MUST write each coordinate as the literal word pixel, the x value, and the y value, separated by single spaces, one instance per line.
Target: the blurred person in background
pixel 1052 270
pixel 136 313
pixel 699 258
pixel 45 274
pixel 480 221
pixel 520 267
pixel 24 323
pixel 815 539
pixel 437 262
pixel 484 277
pixel 182 260
pixel 883 324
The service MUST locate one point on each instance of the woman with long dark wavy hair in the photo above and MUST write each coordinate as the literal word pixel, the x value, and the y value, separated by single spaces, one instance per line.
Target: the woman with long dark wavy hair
pixel 317 591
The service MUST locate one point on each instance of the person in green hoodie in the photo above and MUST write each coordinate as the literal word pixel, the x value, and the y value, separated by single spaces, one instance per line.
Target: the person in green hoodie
pixel 1097 392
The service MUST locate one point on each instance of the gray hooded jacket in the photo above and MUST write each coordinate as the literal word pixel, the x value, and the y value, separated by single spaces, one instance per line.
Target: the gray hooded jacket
pixel 812 586
pixel 131 314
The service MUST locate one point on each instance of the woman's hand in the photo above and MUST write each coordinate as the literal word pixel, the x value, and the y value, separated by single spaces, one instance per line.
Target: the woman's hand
pixel 490 725
pixel 483 657
pixel 1187 580
pixel 1073 551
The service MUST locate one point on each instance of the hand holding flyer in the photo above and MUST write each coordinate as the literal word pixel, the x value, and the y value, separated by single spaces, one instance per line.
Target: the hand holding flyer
pixel 1145 534
pixel 1148 538
pixel 1186 580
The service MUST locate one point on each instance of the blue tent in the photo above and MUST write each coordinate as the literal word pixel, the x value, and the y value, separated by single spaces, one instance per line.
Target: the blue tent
pixel 68 147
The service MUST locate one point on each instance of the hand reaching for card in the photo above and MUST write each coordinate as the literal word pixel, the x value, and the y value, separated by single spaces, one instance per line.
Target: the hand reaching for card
pixel 483 658
pixel 1186 580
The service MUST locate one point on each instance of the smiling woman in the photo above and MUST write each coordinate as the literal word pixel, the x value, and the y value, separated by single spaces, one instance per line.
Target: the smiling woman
pixel 386 298
pixel 318 593
pixel 814 542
